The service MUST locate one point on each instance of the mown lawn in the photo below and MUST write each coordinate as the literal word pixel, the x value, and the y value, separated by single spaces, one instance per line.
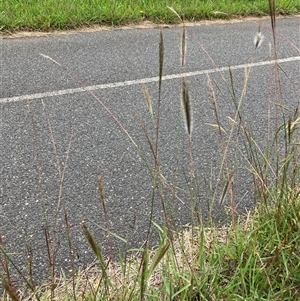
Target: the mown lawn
pixel 45 15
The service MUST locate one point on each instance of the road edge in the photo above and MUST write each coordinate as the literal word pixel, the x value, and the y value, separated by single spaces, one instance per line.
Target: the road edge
pixel 140 25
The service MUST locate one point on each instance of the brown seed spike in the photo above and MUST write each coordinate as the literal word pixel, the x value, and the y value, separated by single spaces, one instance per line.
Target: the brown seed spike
pixel 183 46
pixel 147 98
pixel 161 58
pixel 186 105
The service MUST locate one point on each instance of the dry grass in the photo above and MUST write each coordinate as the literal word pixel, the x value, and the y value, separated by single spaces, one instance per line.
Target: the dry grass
pixel 185 242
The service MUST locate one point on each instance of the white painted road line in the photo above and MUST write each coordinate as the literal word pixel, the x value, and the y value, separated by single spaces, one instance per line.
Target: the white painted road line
pixel 141 81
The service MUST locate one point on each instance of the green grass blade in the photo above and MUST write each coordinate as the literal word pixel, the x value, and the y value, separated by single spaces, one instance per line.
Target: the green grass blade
pixel 158 256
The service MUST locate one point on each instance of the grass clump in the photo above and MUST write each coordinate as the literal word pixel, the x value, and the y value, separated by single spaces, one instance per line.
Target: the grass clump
pixel 254 257
pixel 47 15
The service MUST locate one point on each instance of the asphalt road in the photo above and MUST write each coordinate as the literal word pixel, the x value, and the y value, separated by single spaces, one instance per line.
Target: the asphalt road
pixel 113 64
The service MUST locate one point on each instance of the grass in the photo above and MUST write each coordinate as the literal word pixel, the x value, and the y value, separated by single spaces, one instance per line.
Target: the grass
pixel 254 257
pixel 32 15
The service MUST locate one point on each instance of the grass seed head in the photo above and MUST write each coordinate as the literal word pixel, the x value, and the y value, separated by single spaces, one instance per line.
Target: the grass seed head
pixel 258 39
pixel 187 107
pixel 148 99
